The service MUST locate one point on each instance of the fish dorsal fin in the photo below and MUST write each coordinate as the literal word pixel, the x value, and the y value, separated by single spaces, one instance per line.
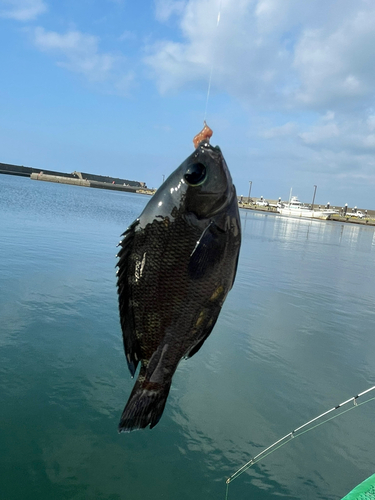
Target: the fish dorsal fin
pixel 208 251
pixel 131 344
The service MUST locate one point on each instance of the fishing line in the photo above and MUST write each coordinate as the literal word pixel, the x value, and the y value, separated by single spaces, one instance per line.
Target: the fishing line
pixel 303 429
pixel 212 65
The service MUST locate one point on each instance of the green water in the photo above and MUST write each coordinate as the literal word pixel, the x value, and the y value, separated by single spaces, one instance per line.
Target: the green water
pixel 295 337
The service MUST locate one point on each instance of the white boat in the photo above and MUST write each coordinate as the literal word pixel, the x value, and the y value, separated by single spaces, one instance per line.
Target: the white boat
pixel 296 208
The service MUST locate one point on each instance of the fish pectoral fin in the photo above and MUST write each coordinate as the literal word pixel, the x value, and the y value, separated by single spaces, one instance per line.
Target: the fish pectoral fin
pixel 131 344
pixel 208 251
pixel 205 333
pixel 196 347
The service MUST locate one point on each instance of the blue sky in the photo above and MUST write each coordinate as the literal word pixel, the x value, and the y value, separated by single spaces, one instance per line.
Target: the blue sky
pixel 119 87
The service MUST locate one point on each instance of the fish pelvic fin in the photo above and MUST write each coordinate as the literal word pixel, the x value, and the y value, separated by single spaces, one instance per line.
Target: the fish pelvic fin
pixel 145 405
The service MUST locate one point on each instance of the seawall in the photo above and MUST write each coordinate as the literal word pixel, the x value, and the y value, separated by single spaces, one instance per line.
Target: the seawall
pixel 94 180
pixel 82 182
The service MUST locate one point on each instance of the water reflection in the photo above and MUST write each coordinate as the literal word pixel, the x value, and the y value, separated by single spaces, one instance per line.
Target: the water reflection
pixel 295 337
pixel 357 237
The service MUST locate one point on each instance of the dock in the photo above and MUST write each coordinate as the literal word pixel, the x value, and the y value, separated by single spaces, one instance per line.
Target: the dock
pixel 339 217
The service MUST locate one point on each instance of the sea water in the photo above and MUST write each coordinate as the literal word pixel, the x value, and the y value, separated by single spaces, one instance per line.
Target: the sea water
pixel 296 336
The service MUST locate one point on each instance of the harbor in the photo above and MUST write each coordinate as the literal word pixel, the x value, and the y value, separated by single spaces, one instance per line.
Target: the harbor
pixel 337 214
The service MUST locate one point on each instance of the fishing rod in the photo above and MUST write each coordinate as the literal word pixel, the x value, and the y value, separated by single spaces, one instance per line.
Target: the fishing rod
pixel 303 429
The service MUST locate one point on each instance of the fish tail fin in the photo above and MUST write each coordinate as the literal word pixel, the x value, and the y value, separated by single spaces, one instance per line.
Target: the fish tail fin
pixel 145 405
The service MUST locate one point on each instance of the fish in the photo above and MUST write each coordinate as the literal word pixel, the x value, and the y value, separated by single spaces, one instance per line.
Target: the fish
pixel 176 265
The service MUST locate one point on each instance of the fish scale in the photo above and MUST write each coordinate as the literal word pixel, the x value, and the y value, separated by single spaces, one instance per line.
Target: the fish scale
pixel 179 241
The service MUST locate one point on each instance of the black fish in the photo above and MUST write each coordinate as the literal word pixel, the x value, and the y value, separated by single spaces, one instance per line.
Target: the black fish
pixel 176 266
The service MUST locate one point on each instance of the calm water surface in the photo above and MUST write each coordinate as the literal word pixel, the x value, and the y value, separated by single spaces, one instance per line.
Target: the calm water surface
pixel 295 337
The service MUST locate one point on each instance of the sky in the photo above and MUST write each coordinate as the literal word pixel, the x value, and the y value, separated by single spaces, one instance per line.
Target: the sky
pixel 120 88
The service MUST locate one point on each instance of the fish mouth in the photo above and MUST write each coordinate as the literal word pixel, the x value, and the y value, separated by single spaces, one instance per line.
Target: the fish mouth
pixel 204 148
pixel 206 145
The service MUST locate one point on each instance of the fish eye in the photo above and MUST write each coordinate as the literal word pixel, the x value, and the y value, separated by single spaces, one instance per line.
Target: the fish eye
pixel 195 174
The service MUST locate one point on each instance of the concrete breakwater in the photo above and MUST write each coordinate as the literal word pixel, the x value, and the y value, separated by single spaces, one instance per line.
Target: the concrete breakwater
pixel 83 182
pixel 75 178
pixel 59 179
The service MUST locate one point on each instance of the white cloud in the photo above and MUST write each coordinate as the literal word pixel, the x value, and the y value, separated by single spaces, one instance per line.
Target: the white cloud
pixel 323 131
pixel 80 53
pixel 22 10
pixel 282 131
pixel 320 133
pixel 127 35
pixel 233 48
pixel 371 122
pixel 271 14
pixel 346 134
pixel 369 141
pixel 330 115
pixel 337 66
pixel 164 9
pixel 271 53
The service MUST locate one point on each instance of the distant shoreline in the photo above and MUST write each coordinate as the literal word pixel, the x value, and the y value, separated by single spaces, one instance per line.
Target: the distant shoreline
pixel 76 178
pixel 366 221
pixel 116 184
pixel 89 183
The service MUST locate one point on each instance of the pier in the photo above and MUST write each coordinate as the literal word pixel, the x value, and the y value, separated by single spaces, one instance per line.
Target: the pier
pixel 76 178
